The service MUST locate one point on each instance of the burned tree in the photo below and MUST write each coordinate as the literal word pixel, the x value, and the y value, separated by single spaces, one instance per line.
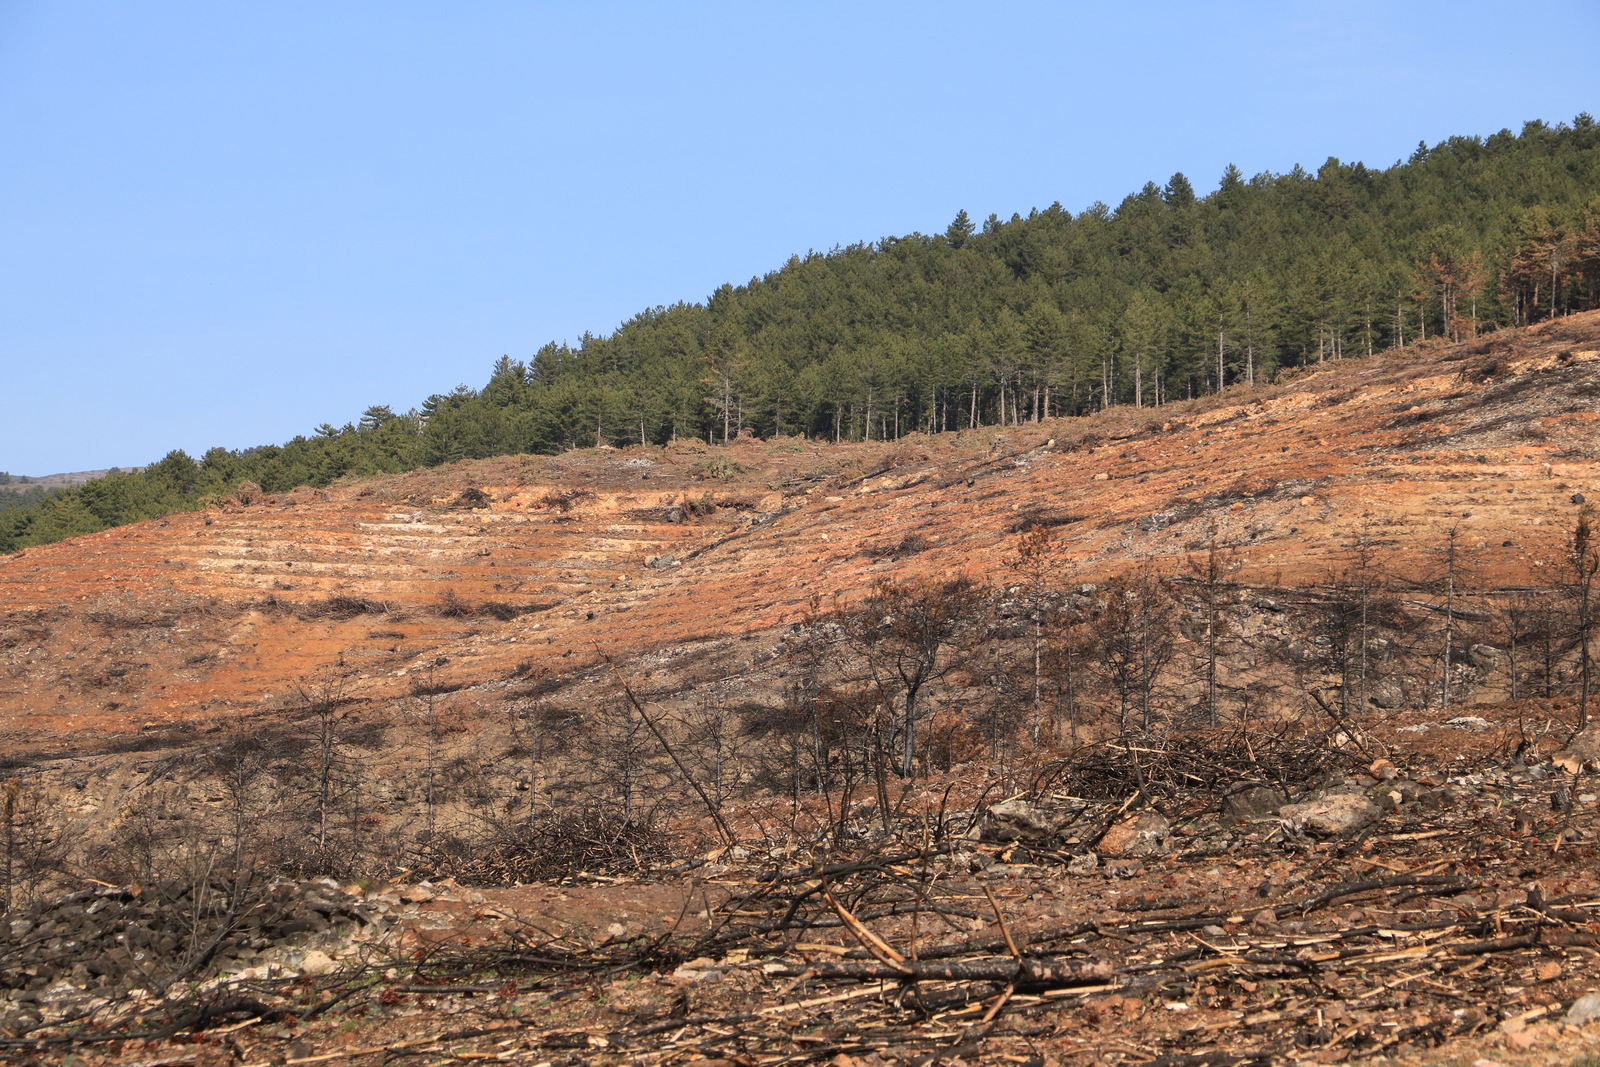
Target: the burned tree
pixel 1582 562
pixel 902 635
pixel 1138 639
pixel 1210 572
pixel 319 761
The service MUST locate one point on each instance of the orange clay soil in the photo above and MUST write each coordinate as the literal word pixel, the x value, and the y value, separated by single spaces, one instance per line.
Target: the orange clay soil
pixel 533 564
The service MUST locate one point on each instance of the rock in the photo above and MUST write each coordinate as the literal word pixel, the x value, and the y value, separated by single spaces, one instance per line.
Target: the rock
pixel 415 894
pixel 1577 498
pixel 1331 816
pixel 1584 1010
pixel 1386 695
pixel 1083 865
pixel 1383 770
pixel 972 862
pixel 1484 657
pixel 1253 802
pixel 1439 799
pixel 1476 723
pixel 1102 477
pixel 1018 820
pixel 1581 754
pixel 317 962
pixel 701 969
pixel 1138 835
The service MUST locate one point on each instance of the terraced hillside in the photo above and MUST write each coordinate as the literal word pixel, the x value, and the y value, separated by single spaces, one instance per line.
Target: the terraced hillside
pixel 533 566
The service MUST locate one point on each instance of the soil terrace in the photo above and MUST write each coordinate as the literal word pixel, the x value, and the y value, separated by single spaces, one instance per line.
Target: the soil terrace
pixel 523 565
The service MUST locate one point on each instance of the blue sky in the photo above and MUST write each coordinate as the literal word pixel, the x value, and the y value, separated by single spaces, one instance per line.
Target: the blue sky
pixel 226 223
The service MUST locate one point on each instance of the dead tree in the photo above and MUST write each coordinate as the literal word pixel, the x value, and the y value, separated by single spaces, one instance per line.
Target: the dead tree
pixel 618 747
pixel 1527 619
pixel 1137 642
pixel 1033 563
pixel 1070 645
pixel 321 762
pixel 715 746
pixel 1582 563
pixel 240 765
pixel 1445 585
pixel 34 848
pixel 714 809
pixel 1364 582
pixel 1210 572
pixel 902 635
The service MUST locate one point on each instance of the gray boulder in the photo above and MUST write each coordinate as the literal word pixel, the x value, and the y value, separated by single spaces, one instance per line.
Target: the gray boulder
pixel 1252 802
pixel 1484 657
pixel 1331 816
pixel 1386 695
pixel 1584 1010
pixel 1018 820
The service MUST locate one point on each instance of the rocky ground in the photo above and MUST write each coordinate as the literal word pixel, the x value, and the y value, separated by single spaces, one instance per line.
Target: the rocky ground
pixel 1427 896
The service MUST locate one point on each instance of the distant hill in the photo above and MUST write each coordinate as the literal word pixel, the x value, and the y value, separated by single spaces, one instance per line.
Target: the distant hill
pixel 20 482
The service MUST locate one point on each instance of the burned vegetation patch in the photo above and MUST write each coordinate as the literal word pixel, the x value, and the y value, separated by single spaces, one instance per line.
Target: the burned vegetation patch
pixel 910 545
pixel 341 607
pixel 451 606
pixel 470 499
pixel 1049 519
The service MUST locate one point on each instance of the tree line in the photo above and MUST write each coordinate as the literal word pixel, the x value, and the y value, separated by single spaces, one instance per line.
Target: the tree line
pixel 1168 295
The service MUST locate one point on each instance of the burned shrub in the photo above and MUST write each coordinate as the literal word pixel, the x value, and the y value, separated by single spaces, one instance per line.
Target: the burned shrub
pixel 342 607
pixel 471 498
pixel 562 500
pixel 451 606
pixel 593 840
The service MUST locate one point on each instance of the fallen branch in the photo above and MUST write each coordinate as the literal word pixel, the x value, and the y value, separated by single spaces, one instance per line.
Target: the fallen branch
pixel 1023 973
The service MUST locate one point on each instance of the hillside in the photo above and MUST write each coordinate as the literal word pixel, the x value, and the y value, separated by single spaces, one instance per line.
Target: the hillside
pixel 174 619
pixel 348 771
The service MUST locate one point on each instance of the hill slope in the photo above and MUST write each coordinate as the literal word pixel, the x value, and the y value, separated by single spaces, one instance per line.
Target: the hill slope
pixel 528 566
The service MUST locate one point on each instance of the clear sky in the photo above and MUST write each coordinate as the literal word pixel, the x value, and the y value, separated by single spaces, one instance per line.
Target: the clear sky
pixel 226 223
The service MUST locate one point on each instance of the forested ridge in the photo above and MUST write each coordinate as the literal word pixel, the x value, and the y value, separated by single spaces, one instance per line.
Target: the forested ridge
pixel 1166 296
